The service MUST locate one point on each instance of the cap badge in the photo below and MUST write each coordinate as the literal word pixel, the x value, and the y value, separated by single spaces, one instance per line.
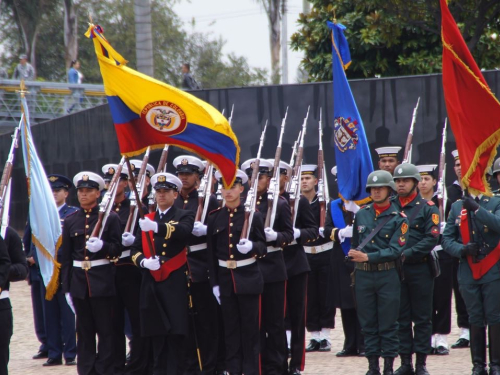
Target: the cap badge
pixel 252 164
pixel 111 170
pixel 85 177
pixel 162 178
pixel 132 166
pixel 400 170
pixel 184 162
pixel 53 178
pixel 375 178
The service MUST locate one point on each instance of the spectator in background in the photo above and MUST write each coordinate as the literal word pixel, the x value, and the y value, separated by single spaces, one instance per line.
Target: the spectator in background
pixel 24 70
pixel 188 82
pixel 74 74
pixel 3 73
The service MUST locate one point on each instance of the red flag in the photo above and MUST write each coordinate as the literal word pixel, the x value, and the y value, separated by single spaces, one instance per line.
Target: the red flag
pixel 473 110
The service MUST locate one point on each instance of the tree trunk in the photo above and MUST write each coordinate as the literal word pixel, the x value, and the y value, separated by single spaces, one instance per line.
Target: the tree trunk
pixel 70 33
pixel 273 15
pixel 143 37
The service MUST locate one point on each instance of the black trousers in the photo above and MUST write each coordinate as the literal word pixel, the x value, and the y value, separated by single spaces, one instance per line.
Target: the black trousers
pixel 128 284
pixel 6 331
pixel 296 292
pixel 206 322
pixel 461 309
pixel 320 306
pixel 353 338
pixel 95 316
pixel 37 297
pixel 167 352
pixel 443 289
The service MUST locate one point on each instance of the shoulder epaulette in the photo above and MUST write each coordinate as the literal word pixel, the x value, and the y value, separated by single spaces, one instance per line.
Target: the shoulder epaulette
pixel 72 213
pixel 217 209
pixel 402 214
pixel 365 206
pixel 431 203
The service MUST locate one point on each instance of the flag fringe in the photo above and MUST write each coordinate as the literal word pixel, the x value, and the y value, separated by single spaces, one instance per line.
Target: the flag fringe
pixel 53 285
pixel 361 202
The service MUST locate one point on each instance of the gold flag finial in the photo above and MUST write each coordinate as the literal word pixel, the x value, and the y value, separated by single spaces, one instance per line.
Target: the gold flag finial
pixel 22 89
pixel 91 22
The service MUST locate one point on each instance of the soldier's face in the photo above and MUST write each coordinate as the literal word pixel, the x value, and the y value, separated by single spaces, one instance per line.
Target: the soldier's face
pixel 380 194
pixel 404 186
pixel 165 198
pixel 388 164
pixel 426 184
pixel 307 183
pixel 283 180
pixel 60 196
pixel 232 196
pixel 88 196
pixel 458 170
pixel 121 186
pixel 188 180
pixel 263 184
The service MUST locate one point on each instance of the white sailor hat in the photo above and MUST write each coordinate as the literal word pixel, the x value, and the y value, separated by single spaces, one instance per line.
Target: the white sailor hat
pixel 188 164
pixel 265 167
pixel 455 154
pixel 308 169
pixel 388 151
pixel 109 171
pixel 88 180
pixel 334 171
pixel 166 181
pixel 241 177
pixel 426 169
pixel 136 165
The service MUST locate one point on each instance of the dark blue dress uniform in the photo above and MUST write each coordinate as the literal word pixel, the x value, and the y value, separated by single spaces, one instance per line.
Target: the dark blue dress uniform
pixel 92 289
pixel 240 286
pixel 206 310
pixel 16 271
pixel 297 268
pixel 164 304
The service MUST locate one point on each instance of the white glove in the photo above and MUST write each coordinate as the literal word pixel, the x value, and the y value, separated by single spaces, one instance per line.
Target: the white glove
pixel 271 235
pixel 443 225
pixel 69 301
pixel 127 239
pixel 216 292
pixel 147 224
pixel 245 246
pixel 296 233
pixel 345 233
pixel 152 264
pixel 199 229
pixel 351 206
pixel 322 232
pixel 94 244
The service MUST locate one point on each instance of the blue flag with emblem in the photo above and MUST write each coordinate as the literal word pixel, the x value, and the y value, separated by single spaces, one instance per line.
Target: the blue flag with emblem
pixel 352 154
pixel 43 214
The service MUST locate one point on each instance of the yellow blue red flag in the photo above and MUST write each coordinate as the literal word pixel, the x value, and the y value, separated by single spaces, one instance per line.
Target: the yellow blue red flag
pixel 147 112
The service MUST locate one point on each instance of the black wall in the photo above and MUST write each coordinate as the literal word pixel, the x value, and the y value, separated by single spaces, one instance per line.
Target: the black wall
pixel 86 140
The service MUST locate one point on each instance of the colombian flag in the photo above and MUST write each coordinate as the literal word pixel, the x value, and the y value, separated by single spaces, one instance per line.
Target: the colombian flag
pixel 473 110
pixel 147 112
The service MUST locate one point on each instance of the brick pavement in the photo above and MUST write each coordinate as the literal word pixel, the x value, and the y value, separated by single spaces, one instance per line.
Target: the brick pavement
pixel 24 345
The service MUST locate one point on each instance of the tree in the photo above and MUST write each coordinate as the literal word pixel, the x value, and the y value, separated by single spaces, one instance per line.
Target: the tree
pixel 394 37
pixel 273 11
pixel 143 37
pixel 70 32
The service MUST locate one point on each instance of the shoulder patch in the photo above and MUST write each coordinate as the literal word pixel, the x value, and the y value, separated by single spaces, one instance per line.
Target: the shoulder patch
pixel 402 214
pixel 217 209
pixel 431 203
pixel 366 206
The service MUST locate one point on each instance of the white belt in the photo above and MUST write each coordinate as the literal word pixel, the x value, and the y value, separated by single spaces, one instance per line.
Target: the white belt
pixel 232 264
pixel 201 246
pixel 272 249
pixel 4 294
pixel 319 248
pixel 88 264
pixel 125 254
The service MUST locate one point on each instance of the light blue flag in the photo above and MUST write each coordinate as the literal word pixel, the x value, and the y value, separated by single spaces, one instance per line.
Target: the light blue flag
pixel 354 162
pixel 43 214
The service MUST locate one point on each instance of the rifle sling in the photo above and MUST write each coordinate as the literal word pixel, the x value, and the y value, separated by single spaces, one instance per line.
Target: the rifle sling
pixel 374 232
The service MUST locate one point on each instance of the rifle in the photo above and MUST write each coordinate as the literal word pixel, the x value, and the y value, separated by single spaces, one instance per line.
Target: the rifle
pixel 323 193
pixel 252 192
pixel 409 139
pixel 441 190
pixel 107 201
pixel 273 192
pixel 204 192
pixel 295 185
pixel 141 181
pixel 218 193
pixel 5 182
pixel 161 167
pixel 292 160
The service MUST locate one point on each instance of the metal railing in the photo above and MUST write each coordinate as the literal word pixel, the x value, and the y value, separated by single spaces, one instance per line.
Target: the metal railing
pixel 46 100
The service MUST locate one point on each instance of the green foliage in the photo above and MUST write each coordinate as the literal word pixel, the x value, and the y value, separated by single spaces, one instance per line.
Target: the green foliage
pixel 394 37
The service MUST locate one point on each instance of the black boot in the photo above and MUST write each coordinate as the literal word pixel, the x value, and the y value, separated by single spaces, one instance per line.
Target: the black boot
pixel 406 365
pixel 373 367
pixel 420 365
pixel 494 348
pixel 478 350
pixel 388 363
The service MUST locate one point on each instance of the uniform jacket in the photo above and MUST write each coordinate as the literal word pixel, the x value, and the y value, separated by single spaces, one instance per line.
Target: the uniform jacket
pixel 97 281
pixel 388 244
pixel 487 223
pixel 4 267
pixel 18 265
pixel 454 193
pixel 223 234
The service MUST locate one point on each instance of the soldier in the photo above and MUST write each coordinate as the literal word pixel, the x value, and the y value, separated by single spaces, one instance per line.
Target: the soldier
pixel 206 319
pixel 378 241
pixel 388 158
pixel 164 302
pixel 479 273
pixel 272 330
pixel 297 268
pixel 455 192
pixel 443 284
pixel 87 276
pixel 236 278
pixel 416 288
pixel 338 228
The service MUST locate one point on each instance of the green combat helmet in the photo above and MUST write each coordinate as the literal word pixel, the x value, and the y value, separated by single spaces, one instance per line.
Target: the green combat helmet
pixel 379 179
pixel 407 170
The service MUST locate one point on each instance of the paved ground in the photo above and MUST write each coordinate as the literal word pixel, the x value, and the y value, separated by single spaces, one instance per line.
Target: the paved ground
pixel 24 345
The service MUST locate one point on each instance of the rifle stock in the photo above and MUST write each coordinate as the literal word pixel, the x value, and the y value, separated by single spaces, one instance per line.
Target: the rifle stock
pixel 132 218
pixel 322 183
pixel 409 139
pixel 442 173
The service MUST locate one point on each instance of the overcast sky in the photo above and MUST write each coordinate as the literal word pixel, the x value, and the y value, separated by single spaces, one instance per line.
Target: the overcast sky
pixel 244 26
